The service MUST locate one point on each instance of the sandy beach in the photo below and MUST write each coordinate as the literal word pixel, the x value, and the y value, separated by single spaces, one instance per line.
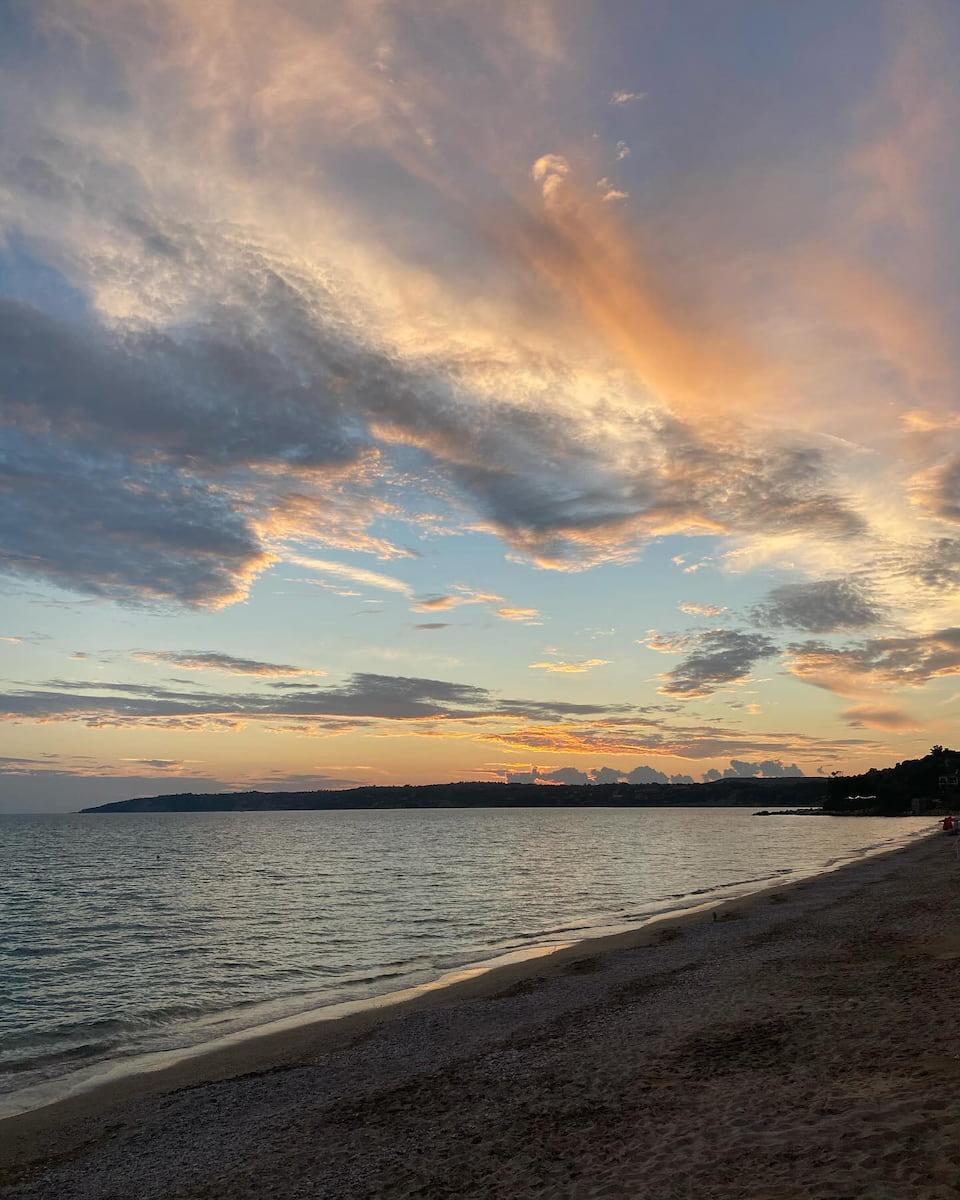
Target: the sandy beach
pixel 799 1044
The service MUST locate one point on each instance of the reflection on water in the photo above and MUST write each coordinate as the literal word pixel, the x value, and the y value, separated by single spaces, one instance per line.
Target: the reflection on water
pixel 136 932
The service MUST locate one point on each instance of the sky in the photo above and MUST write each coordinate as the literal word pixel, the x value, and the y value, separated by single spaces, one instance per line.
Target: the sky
pixel 400 392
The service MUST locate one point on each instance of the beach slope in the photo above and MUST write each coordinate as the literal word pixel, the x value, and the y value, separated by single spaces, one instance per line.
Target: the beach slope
pixel 801 1046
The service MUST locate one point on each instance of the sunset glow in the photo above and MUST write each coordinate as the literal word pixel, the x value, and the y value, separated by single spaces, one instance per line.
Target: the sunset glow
pixel 400 393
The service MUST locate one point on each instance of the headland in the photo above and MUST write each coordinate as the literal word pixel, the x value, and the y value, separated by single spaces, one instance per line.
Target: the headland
pixel 720 793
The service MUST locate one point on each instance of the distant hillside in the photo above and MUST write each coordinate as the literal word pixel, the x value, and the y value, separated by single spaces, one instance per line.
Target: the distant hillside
pixel 722 792
pixel 891 790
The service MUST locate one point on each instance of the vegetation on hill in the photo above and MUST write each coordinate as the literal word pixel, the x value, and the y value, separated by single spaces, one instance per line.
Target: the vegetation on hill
pixel 892 790
pixel 722 792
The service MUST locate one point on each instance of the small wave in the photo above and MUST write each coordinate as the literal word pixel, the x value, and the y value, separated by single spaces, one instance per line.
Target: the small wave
pixel 540 933
pixel 69 1054
pixel 33 952
pixel 109 982
pixel 115 1028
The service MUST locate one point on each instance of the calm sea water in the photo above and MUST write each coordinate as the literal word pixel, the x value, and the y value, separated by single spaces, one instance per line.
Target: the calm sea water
pixel 127 934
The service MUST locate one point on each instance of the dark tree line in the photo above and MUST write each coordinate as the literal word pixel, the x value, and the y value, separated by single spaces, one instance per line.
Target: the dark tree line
pixel 892 790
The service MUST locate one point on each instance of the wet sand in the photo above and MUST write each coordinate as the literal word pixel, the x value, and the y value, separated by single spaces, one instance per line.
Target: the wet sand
pixel 802 1045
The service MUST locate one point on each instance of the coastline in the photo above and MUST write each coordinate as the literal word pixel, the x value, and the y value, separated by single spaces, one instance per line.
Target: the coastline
pixel 327 1023
pixel 478 1015
pixel 289 1041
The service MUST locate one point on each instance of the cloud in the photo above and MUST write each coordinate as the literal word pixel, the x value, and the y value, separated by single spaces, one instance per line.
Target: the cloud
pixel 385 706
pixel 266 386
pixel 638 735
pixel 362 696
pixel 237 359
pixel 196 660
pixel 568 775
pixel 702 610
pixel 939 490
pixel 284 781
pixel 645 774
pixel 361 575
pixel 606 775
pixel 573 668
pixel 461 595
pixel 610 191
pixel 161 537
pixel 558 710
pixel 550 171
pixel 877 717
pixel 933 564
pixel 574 776
pixel 769 769
pixel 623 151
pixel 160 764
pixel 713 658
pixel 528 616
pixel 821 606
pixel 433 625
pixel 859 668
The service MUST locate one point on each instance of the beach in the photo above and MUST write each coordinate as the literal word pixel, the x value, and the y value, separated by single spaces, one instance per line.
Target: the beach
pixel 800 1043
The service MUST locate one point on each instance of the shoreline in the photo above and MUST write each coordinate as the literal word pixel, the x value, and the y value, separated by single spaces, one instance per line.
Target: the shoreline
pixel 38 1138
pixel 323 1026
pixel 284 1043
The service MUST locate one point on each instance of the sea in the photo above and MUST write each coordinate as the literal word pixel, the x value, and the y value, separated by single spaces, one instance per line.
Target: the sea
pixel 129 939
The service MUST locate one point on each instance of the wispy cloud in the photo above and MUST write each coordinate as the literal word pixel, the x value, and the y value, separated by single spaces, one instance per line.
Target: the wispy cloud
pixel 701 610
pixel 575 667
pixel 197 660
pixel 528 616
pixel 361 575
pixel 610 191
pixel 876 717
pixel 460 596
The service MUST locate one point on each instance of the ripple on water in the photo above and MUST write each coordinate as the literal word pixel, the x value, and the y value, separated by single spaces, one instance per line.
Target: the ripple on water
pixel 129 933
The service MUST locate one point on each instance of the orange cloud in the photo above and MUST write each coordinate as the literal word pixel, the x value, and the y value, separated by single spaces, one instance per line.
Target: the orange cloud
pixel 859 669
pixel 879 718
pixel 902 329
pixel 574 244
pixel 700 610
pixel 460 595
pixel 571 668
pixel 529 616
